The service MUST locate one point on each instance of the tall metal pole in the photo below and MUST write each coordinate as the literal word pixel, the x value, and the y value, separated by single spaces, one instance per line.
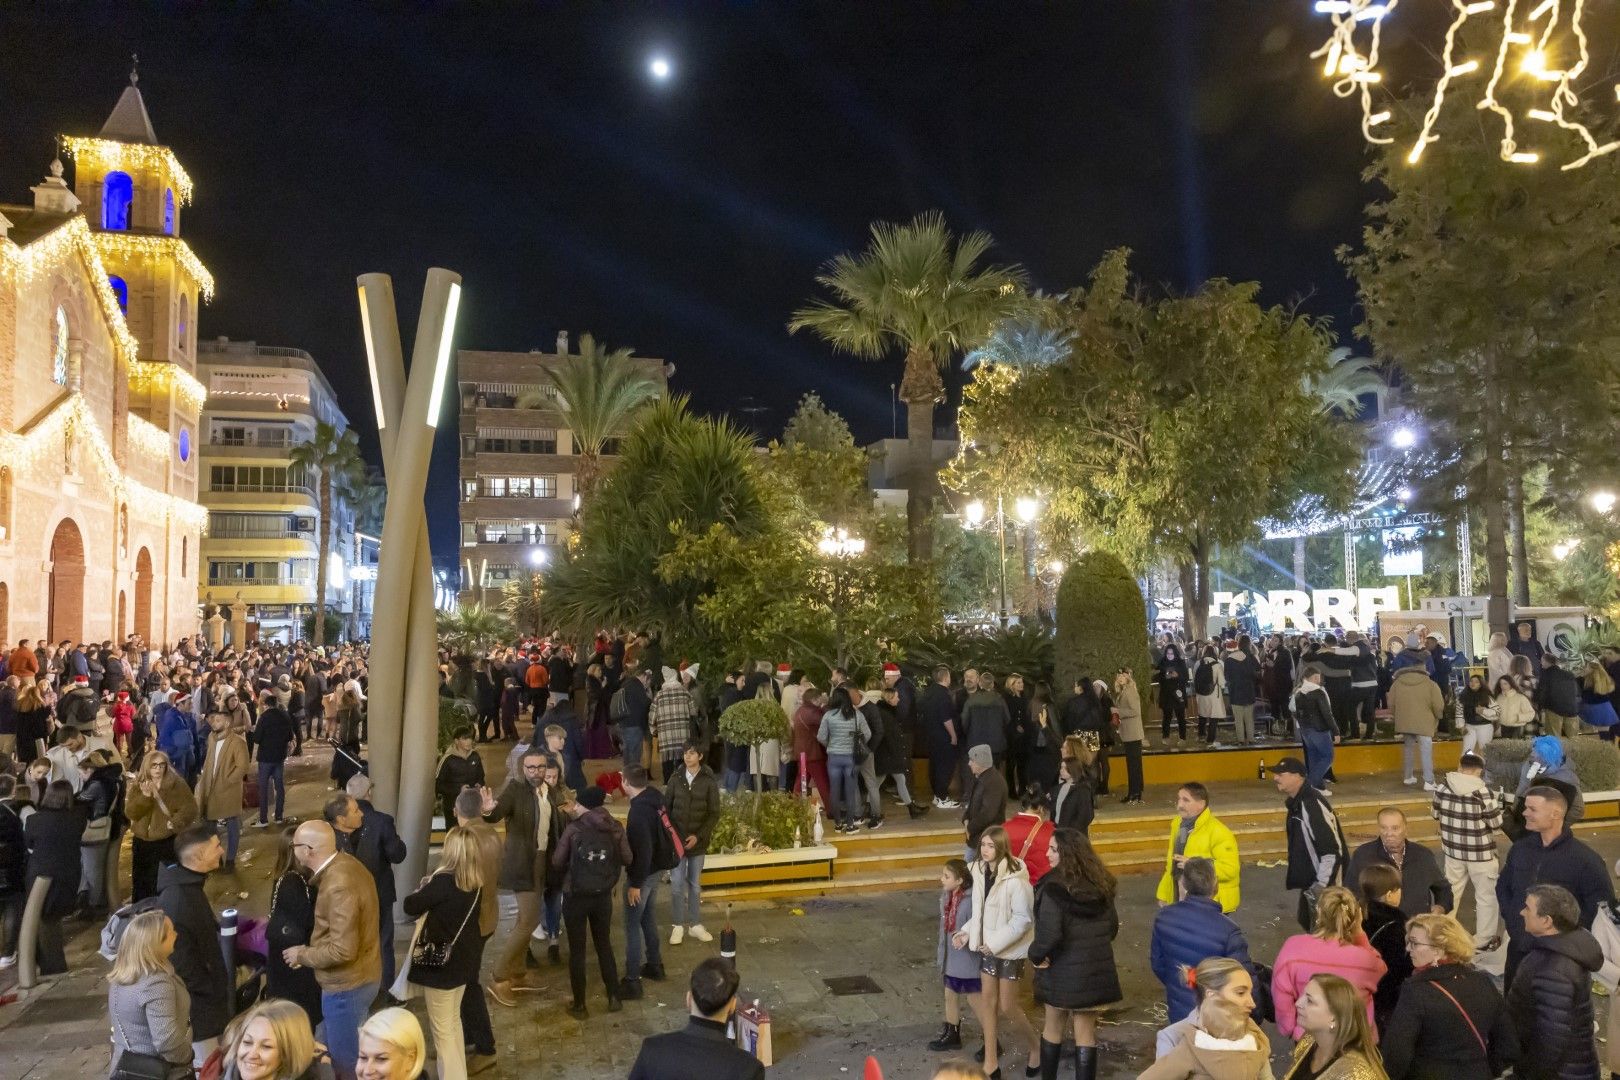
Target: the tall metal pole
pixel 1001 531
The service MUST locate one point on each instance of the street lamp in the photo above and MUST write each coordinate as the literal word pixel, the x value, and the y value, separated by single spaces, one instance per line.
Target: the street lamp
pixel 538 556
pixel 1561 551
pixel 1027 508
pixel 1404 438
pixel 974 512
pixel 839 544
pixel 1602 501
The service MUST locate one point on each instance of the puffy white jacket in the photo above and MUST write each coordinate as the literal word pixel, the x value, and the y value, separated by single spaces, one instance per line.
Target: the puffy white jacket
pixel 1003 919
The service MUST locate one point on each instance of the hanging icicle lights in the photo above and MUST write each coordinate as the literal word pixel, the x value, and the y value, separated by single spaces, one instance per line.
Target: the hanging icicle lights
pixel 1535 39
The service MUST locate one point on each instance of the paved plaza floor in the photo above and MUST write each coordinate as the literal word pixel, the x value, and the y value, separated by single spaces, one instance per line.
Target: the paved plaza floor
pixel 787 951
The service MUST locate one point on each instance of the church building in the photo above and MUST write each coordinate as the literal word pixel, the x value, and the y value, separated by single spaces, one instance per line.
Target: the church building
pixel 99 398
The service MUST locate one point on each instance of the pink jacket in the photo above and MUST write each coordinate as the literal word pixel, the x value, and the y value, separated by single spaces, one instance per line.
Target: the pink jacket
pixel 1306 955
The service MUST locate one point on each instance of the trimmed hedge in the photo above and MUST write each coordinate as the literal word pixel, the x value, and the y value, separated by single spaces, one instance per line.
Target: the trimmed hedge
pixel 1101 623
pixel 1596 763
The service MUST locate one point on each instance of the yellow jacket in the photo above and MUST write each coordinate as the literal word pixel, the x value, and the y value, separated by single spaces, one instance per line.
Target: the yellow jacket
pixel 1211 840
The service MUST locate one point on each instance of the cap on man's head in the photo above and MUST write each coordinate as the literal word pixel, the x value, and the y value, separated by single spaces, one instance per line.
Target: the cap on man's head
pixel 1288 765
pixel 981 756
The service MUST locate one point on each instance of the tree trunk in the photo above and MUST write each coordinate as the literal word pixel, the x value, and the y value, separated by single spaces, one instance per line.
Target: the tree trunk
pixel 921 389
pixel 1193 569
pixel 1490 501
pixel 1515 526
pixel 325 549
pixel 585 477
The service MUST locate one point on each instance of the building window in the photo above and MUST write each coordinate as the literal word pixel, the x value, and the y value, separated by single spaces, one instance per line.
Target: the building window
pixel 469 490
pixel 495 487
pixel 545 487
pixel 182 323
pixel 168 211
pixel 117 192
pixel 59 347
pixel 469 534
pixel 121 291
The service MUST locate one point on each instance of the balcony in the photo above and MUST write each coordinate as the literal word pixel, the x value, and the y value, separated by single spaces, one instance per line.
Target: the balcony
pixel 288 489
pixel 222 449
pixel 522 507
pixel 257 531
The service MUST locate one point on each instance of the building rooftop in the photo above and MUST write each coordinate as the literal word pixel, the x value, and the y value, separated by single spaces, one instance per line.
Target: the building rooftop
pixel 130 121
pixel 28 224
pixel 223 350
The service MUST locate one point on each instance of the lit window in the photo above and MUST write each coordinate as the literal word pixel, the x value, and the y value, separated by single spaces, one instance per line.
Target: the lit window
pixel 120 290
pixel 117 192
pixel 168 211
pixel 59 347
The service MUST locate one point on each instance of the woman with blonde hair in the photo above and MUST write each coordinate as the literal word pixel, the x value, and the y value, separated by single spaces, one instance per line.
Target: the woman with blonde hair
pixel 147 1003
pixel 1338 947
pixel 1218 976
pixel 391 1047
pixel 1336 1040
pixel 33 721
pixel 158 804
pixel 1499 660
pixel 1128 700
pixel 1000 930
pixel 446 950
pixel 272 1041
pixel 1424 1039
pixel 1597 710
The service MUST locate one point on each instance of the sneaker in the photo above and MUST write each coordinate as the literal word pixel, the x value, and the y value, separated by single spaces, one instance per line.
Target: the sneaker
pixel 677 934
pixel 872 824
pixel 700 934
pixel 8 961
pixel 1429 785
pixel 554 952
pixel 630 990
pixel 261 824
pixel 917 810
pixel 1325 793
pixel 501 991
pixel 1409 781
pixel 948 804
pixel 283 821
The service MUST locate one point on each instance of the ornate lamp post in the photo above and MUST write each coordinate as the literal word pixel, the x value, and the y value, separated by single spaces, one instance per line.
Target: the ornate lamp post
pixel 1027 509
pixel 840 548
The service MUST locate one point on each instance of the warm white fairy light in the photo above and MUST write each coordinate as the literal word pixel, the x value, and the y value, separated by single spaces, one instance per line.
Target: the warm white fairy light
pixel 1527 51
pixel 136 247
pixel 25 265
pixel 146 376
pixel 47 438
pixel 151 440
pixel 107 155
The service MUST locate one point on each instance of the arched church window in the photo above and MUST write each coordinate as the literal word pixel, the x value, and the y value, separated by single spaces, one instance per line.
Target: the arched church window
pixel 59 347
pixel 117 193
pixel 121 290
pixel 168 211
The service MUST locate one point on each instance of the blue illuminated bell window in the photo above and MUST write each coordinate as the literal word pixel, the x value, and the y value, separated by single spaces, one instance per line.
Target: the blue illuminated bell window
pixel 117 192
pixel 120 290
pixel 185 444
pixel 168 211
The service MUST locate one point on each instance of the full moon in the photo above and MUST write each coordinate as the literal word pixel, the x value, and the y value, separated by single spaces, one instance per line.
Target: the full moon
pixel 659 68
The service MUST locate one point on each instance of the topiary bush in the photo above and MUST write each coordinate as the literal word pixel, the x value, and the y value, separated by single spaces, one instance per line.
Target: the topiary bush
pixel 1101 623
pixel 1596 763
pixel 752 722
pixel 770 818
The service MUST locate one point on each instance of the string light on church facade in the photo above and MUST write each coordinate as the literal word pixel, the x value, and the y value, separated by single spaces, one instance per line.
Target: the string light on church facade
pixel 26 265
pixel 108 155
pixel 126 247
pixel 160 376
pixel 1539 53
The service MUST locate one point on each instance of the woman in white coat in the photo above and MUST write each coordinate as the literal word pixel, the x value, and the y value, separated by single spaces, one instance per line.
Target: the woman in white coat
pixel 1000 930
pixel 1211 706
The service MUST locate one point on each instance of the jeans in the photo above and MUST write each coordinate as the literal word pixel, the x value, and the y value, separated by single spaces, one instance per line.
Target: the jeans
pixel 869 777
pixel 1133 769
pixel 342 1013
pixel 444 1023
pixel 846 796
pixel 1346 711
pixel 11 913
pixel 641 928
pixel 732 780
pixel 272 772
pixel 385 942
pixel 1243 723
pixel 551 906
pixel 1318 747
pixel 1482 876
pixel 1476 737
pixel 233 836
pixel 1425 745
pixel 900 787
pixel 597 913
pixel 686 890
pixel 634 739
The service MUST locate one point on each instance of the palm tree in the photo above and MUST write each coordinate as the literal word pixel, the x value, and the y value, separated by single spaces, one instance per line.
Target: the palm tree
pixel 1021 343
pixel 919 288
pixel 333 455
pixel 597 392
pixel 473 628
pixel 1346 379
pixel 368 498
pixel 520 600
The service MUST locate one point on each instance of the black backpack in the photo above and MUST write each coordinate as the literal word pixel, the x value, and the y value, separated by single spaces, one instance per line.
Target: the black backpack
pixel 1204 678
pixel 593 864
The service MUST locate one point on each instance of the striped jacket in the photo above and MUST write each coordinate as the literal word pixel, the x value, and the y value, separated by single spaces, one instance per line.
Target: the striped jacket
pixel 1469 814
pixel 673 716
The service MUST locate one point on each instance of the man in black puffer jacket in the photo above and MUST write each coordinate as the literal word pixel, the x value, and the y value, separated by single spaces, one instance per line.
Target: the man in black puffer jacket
pixel 1550 998
pixel 197 959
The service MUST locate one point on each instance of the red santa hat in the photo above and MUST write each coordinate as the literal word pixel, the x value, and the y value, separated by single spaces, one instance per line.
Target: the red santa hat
pixel 891 667
pixel 81 680
pixel 123 695
pixel 784 668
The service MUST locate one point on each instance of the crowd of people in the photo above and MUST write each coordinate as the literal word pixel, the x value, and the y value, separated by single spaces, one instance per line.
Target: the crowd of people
pixel 206 737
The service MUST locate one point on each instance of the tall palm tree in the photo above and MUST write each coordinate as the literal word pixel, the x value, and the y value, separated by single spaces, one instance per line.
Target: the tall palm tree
pixel 332 456
pixel 597 392
pixel 368 498
pixel 920 289
pixel 1347 378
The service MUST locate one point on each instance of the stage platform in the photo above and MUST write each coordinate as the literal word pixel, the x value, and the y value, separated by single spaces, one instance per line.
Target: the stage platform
pixel 906 854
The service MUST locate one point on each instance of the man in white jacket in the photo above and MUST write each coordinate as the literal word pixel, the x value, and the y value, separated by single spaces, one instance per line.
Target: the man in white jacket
pixel 1470 815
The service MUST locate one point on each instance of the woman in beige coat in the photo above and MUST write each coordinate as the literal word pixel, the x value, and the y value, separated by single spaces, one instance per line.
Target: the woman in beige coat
pixel 219 785
pixel 1128 702
pixel 159 804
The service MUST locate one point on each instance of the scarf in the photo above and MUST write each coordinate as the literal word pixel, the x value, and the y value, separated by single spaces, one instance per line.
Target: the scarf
pixel 952 902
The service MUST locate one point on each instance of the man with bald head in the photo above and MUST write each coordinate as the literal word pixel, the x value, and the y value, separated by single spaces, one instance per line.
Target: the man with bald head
pixel 342 949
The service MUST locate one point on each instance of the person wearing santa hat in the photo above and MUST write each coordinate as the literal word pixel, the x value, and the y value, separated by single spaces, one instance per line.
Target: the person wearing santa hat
pixel 78 706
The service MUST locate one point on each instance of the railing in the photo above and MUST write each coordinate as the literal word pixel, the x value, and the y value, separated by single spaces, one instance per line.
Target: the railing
pixel 225 531
pixel 226 582
pixel 290 489
pixel 229 440
pixel 510 495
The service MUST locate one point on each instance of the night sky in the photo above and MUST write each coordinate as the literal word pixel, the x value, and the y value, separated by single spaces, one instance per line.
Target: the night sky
pixel 535 156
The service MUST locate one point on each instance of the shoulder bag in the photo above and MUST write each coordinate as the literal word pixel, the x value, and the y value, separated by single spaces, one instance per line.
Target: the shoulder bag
pixel 132 1065
pixel 434 954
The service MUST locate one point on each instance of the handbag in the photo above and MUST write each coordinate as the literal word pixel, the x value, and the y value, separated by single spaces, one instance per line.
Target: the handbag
pixel 97 831
pixel 434 954
pixel 133 1065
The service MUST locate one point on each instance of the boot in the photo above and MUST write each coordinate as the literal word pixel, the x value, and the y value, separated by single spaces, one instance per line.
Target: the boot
pixel 1085 1063
pixel 950 1038
pixel 1051 1055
